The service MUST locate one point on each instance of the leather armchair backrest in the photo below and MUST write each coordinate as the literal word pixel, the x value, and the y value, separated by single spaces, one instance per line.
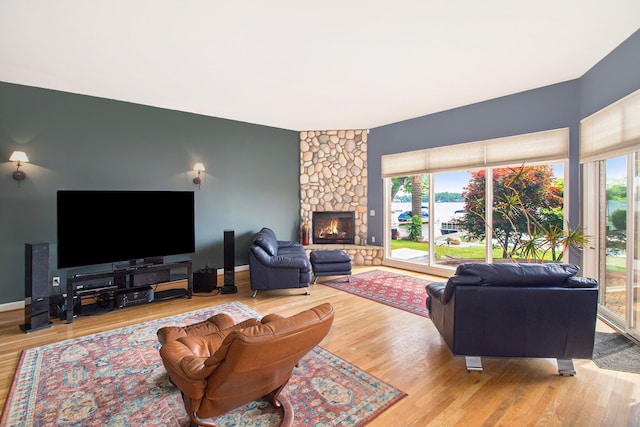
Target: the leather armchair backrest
pixel 257 360
pixel 519 274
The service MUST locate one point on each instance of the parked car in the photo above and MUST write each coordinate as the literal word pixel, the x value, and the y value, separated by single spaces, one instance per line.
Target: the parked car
pixel 406 215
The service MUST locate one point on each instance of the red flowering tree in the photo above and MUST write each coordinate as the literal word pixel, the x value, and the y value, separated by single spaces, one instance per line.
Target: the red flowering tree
pixel 527 204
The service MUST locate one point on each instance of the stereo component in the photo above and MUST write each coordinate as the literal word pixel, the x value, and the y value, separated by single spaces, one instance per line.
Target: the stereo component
pixel 129 297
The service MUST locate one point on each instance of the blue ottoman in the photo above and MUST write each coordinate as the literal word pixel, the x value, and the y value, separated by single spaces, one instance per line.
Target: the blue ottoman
pixel 330 263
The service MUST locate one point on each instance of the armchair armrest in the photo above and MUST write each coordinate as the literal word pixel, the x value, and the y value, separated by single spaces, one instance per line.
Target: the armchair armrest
pixel 581 282
pixel 288 244
pixel 464 280
pixel 185 370
pixel 280 261
pixel 435 290
pixel 442 292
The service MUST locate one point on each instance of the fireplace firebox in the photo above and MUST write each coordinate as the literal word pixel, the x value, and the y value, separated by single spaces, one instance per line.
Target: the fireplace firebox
pixel 333 227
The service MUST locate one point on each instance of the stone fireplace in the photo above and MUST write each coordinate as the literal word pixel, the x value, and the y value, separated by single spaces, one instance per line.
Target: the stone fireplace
pixel 333 227
pixel 333 178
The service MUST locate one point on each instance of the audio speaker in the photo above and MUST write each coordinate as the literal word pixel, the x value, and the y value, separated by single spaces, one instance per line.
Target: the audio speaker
pixel 229 263
pixel 205 280
pixel 159 276
pixel 36 287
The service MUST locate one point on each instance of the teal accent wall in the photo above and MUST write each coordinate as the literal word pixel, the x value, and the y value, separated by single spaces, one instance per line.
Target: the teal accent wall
pixel 77 142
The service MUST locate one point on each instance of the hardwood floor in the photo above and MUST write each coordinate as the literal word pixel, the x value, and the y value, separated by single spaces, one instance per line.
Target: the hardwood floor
pixel 402 349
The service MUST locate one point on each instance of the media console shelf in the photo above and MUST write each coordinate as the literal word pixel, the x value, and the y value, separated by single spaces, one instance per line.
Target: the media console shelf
pixel 132 279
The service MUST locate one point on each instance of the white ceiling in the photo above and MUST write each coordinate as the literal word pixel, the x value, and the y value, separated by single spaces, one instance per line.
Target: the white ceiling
pixel 301 65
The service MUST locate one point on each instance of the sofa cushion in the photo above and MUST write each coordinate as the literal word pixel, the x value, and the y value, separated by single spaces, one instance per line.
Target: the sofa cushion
pixel 267 240
pixel 519 274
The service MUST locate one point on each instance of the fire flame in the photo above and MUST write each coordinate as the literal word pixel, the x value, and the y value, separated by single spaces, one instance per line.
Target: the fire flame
pixel 330 229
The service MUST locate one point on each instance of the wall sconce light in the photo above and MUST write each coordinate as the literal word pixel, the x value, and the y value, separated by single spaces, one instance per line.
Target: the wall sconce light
pixel 19 157
pixel 198 167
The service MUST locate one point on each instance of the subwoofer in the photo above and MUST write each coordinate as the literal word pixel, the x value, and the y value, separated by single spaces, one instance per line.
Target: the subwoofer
pixel 36 287
pixel 229 263
pixel 205 280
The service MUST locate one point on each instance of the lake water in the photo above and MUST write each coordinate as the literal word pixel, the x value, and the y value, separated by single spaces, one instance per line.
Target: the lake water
pixel 442 212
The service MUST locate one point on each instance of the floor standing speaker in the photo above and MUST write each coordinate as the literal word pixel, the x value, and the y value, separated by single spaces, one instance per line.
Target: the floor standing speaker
pixel 36 287
pixel 229 263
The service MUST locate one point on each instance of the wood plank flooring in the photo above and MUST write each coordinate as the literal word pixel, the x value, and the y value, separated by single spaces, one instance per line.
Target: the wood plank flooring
pixel 402 349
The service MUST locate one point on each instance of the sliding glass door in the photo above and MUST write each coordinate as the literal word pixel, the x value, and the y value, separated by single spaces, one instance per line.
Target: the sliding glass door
pixel 633 288
pixel 614 228
pixel 609 153
pixel 611 208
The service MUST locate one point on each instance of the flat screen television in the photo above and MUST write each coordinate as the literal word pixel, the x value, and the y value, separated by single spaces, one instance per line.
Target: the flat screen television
pixel 102 226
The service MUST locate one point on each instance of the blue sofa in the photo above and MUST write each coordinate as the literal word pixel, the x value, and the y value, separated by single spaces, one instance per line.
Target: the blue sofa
pixel 277 264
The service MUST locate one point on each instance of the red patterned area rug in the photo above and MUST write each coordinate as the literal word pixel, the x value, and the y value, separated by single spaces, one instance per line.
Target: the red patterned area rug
pixel 116 378
pixel 397 290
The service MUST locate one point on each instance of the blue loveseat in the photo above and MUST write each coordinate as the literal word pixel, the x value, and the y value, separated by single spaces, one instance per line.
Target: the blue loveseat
pixel 277 264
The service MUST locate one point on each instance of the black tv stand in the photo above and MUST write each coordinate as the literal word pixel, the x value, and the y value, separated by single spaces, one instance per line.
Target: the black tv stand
pixel 169 294
pixel 132 279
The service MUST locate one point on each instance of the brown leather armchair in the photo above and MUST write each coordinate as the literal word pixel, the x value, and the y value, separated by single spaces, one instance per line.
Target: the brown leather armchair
pixel 219 365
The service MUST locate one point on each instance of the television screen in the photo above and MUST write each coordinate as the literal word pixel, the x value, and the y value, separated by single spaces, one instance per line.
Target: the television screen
pixel 99 227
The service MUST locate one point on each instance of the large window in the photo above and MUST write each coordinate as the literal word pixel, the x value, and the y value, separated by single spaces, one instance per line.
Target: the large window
pixel 436 201
pixel 610 153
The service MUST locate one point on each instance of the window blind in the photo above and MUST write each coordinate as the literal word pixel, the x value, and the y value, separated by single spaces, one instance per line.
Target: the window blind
pixel 612 131
pixel 529 148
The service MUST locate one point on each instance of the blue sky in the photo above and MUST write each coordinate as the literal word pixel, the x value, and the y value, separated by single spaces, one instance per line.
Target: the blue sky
pixel 617 168
pixel 453 183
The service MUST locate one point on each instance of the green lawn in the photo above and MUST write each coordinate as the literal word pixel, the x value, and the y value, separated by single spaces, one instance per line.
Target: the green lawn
pixel 616 263
pixel 455 251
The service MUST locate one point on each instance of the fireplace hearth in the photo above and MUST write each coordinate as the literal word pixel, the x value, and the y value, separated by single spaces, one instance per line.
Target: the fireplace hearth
pixel 333 227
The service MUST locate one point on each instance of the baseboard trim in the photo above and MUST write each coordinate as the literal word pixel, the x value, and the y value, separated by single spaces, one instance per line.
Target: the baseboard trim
pixel 9 306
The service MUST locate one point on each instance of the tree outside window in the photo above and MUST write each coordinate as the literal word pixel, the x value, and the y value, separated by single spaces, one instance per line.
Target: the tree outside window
pixel 527 212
